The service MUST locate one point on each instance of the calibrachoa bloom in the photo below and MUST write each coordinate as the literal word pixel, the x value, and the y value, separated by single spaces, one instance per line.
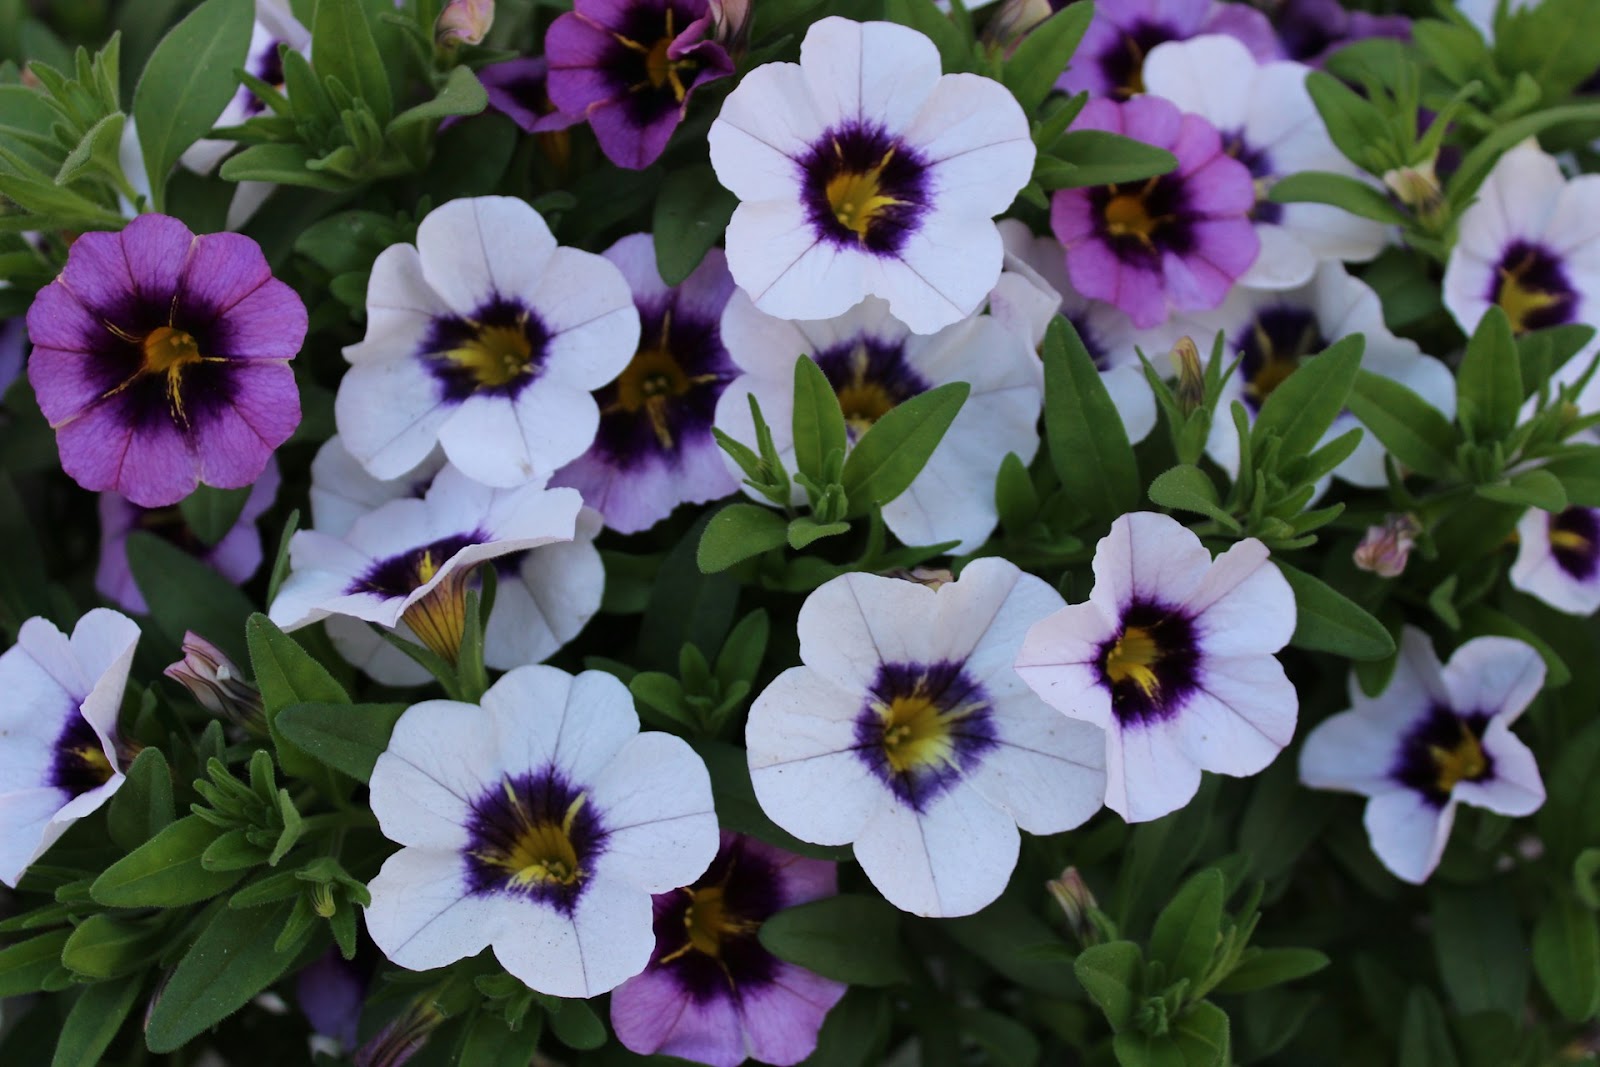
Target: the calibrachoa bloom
pixel 486 339
pixel 1436 737
pixel 161 360
pixel 873 363
pixel 1177 241
pixel 629 67
pixel 58 727
pixel 411 559
pixel 862 171
pixel 1110 59
pixel 711 993
pixel 516 89
pixel 275 27
pixel 540 823
pixel 235 557
pixel 654 450
pixel 1172 655
pixel 1269 124
pixel 1558 558
pixel 908 734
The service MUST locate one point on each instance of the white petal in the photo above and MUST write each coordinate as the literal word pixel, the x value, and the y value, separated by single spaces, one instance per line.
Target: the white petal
pixel 506 443
pixel 654 799
pixel 585 302
pixel 545 716
pixel 1514 787
pixel 1148 775
pixel 1408 833
pixel 1352 752
pixel 1058 660
pixel 952 859
pixel 389 414
pixel 1284 262
pixel 363 649
pixel 876 71
pixel 1210 76
pixel 401 307
pixel 975 135
pixel 441 760
pixel 767 122
pixel 1147 555
pixel 27 829
pixel 1048 771
pixel 1130 393
pixel 555 593
pixel 1537 572
pixel 1499 676
pixel 943 274
pixel 1244 603
pixel 775 256
pixel 1241 718
pixel 476 249
pixel 608 940
pixel 984 616
pixel 852 624
pixel 422 915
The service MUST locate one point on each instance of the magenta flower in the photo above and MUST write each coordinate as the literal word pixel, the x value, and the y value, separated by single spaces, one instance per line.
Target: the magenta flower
pixel 629 67
pixel 516 89
pixel 1175 242
pixel 161 360
pixel 711 993
pixel 1110 59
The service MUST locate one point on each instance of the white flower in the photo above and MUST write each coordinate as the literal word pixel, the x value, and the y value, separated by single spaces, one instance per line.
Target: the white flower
pixel 539 823
pixel 58 730
pixel 1269 123
pixel 874 363
pixel 862 171
pixel 342 491
pixel 487 339
pixel 1172 655
pixel 1435 738
pixel 275 25
pixel 1558 558
pixel 907 733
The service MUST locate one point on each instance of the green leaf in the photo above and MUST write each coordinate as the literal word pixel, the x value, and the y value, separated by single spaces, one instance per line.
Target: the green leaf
pixel 1112 975
pixel 1040 57
pixel 280 562
pixel 848 938
pixel 689 219
pixel 26 965
pixel 1202 1034
pixel 92 1023
pixel 1139 1049
pixel 1338 190
pixel 1579 475
pixel 492 1043
pixel 1188 488
pixel 741 655
pixel 805 530
pixel 97 151
pixel 1015 498
pixel 577 1026
pixel 1188 928
pixel 210 512
pixel 687 605
pixel 461 94
pixel 188 80
pixel 1354 123
pixel 818 421
pixel 1098 157
pixel 347 737
pixel 105 946
pixel 889 456
pixel 184 594
pixel 1007 1042
pixel 231 961
pixel 1262 968
pixel 165 872
pixel 738 532
pixel 1543 352
pixel 347 51
pixel 1478 941
pixel 1413 431
pixel 955 49
pixel 1489 380
pixel 1303 406
pixel 281 163
pixel 1480 619
pixel 1328 621
pixel 1566 957
pixel 142 806
pixel 1536 488
pixel 1424 1037
pixel 287 674
pixel 1088 444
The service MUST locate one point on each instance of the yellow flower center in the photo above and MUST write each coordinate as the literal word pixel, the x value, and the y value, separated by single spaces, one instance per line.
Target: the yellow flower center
pixel 1463 762
pixel 1127 216
pixel 1520 300
pixel 652 379
pixel 659 68
pixel 856 197
pixel 917 732
pixel 168 350
pixel 542 852
pixel 862 400
pixel 1569 540
pixel 495 355
pixel 1135 656
pixel 94 762
pixel 1278 362
pixel 439 618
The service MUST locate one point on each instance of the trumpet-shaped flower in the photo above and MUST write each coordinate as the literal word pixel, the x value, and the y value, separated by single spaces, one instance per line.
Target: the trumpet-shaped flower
pixel 1172 656
pixel 907 733
pixel 539 823
pixel 1558 558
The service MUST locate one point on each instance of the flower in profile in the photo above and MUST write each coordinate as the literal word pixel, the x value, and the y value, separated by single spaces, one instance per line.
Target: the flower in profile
pixel 1310 30
pixel 161 360
pixel 907 733
pixel 236 556
pixel 1435 738
pixel 874 363
pixel 1172 656
pixel 411 560
pixel 1177 241
pixel 1558 558
pixel 861 171
pixel 1110 59
pixel 275 27
pixel 516 89
pixel 712 993
pixel 540 823
pixel 1385 549
pixel 486 339
pixel 1269 123
pixel 59 725
pixel 629 67
pixel 217 684
pixel 654 450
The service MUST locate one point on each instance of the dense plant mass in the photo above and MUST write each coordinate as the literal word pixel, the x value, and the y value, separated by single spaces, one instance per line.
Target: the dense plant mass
pixel 657 531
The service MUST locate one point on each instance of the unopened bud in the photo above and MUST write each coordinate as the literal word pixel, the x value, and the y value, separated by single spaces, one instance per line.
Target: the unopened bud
pixel 1077 903
pixel 403 1037
pixel 1191 375
pixel 463 22
pixel 730 21
pixel 1417 187
pixel 217 684
pixel 932 577
pixel 1012 20
pixel 1386 548
pixel 322 900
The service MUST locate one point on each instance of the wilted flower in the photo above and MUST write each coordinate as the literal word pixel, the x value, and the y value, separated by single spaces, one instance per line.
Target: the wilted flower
pixel 217 684
pixel 1386 548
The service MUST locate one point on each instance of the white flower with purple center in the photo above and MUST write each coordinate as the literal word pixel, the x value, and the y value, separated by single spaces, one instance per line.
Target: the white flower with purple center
pixel 1110 59
pixel 539 823
pixel 1177 241
pixel 1269 123
pixel 59 756
pixel 1558 558
pixel 1172 656
pixel 275 25
pixel 908 734
pixel 712 993
pixel 874 362
pixel 654 449
pixel 486 339
pixel 1274 333
pixel 411 560
pixel 1435 738
pixel 1034 288
pixel 862 171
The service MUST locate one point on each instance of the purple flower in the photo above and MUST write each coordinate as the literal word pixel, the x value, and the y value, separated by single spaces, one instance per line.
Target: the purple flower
pixel 1311 29
pixel 235 557
pixel 161 360
pixel 330 991
pixel 1177 241
pixel 1110 59
pixel 516 89
pixel 629 66
pixel 711 993
pixel 13 339
pixel 654 449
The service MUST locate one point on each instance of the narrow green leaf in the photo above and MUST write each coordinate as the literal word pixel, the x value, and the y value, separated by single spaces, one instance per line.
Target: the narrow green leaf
pixel 210 512
pixel 106 946
pixel 94 1020
pixel 1040 57
pixel 27 965
pixel 805 530
pixel 1413 431
pixel 165 872
pixel 1112 975
pixel 1536 488
pixel 1088 443
pixel 888 457
pixel 1566 957
pixel 1203 1035
pixel 1188 488
pixel 142 807
pixel 1477 938
pixel 1262 968
pixel 347 51
pixel 1424 1036
pixel 848 938
pixel 738 532
pixel 281 163
pixel 1489 380
pixel 347 737
pixel 461 94
pixel 1303 406
pixel 1328 621
pixel 577 1026
pixel 1187 930
pixel 1337 190
pixel 287 674
pixel 689 219
pixel 818 423
pixel 1098 157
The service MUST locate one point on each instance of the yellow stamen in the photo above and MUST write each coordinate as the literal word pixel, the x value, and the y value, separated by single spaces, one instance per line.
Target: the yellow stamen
pixel 1465 762
pixel 439 618
pixel 495 355
pixel 857 197
pixel 1135 656
pixel 168 350
pixel 1569 540
pixel 1519 300
pixel 541 851
pixel 917 732
pixel 651 381
pixel 1126 216
pixel 93 759
pixel 862 400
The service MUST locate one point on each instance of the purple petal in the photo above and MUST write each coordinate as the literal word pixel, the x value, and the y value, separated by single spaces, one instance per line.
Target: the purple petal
pixel 157 247
pixel 150 464
pixel 113 578
pixel 781 1020
pixel 223 269
pixel 268 323
pixel 652 1013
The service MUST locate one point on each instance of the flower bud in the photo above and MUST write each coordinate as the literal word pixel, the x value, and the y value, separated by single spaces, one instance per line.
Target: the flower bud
pixel 1417 187
pixel 403 1037
pixel 217 684
pixel 1012 20
pixel 1386 548
pixel 463 22
pixel 1191 375
pixel 1077 903
pixel 730 20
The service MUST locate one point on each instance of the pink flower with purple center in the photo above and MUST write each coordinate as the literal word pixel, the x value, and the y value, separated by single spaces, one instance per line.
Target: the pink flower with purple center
pixel 1177 241
pixel 1110 59
pixel 712 993
pixel 161 360
pixel 629 67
